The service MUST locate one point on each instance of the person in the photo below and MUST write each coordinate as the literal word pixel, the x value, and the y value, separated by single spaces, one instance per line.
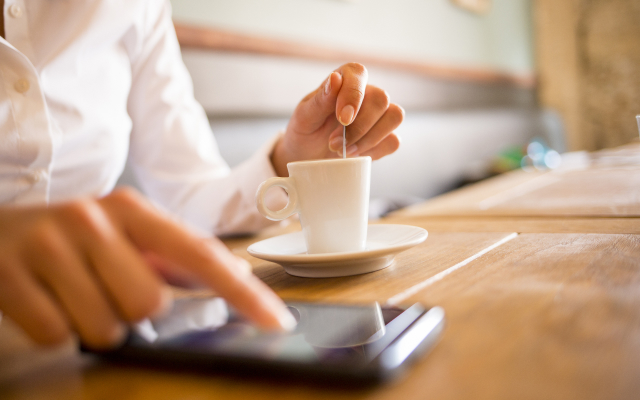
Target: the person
pixel 86 86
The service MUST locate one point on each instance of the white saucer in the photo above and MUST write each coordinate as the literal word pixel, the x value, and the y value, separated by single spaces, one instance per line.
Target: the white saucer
pixel 383 243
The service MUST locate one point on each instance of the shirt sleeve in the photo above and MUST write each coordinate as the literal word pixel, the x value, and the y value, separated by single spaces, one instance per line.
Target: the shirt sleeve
pixel 173 152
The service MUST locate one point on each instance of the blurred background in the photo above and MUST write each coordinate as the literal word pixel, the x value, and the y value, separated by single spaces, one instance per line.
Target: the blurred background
pixel 480 80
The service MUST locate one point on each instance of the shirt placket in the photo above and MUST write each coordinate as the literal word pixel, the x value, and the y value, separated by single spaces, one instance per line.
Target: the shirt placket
pixel 17 27
pixel 28 108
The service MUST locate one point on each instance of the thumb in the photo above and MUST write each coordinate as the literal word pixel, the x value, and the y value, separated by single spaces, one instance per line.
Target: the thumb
pixel 312 112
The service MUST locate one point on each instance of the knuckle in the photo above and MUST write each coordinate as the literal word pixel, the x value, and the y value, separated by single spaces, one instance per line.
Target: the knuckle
pixel 105 336
pixel 81 209
pixel 148 303
pixel 317 100
pixel 356 92
pixel 396 114
pixel 52 331
pixel 127 195
pixel 45 236
pixel 355 132
pixel 129 199
pixel 89 216
pixel 394 143
pixel 379 97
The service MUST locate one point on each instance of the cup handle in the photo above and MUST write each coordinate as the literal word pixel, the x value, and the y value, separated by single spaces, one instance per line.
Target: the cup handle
pixel 288 210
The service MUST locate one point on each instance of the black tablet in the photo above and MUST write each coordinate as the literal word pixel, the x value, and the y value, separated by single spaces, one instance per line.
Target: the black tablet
pixel 351 343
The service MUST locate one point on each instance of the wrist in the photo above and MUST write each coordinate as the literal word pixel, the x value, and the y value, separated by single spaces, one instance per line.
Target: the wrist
pixel 278 159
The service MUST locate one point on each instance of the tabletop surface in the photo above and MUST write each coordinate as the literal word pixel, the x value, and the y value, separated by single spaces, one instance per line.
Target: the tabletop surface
pixel 537 306
pixel 600 184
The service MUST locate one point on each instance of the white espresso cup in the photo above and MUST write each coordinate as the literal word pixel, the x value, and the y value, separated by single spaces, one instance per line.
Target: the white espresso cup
pixel 331 197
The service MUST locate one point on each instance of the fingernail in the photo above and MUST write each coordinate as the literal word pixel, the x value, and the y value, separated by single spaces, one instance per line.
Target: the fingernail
pixel 327 85
pixel 287 321
pixel 336 143
pixel 346 115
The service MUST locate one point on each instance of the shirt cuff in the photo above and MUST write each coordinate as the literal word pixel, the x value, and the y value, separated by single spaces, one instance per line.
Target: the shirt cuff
pixel 249 175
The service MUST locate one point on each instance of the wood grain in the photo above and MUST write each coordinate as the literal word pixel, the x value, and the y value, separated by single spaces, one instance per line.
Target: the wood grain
pixel 521 224
pixel 440 251
pixel 593 192
pixel 196 37
pixel 551 316
pixel 465 201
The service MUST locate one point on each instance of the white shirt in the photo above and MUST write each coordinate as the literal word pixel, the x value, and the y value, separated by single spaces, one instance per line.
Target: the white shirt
pixel 86 84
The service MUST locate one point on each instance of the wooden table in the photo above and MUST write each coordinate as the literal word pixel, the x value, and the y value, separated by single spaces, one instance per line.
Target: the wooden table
pixel 542 304
pixel 600 184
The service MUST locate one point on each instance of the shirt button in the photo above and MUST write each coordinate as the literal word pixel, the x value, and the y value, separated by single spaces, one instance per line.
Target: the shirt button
pixel 37 175
pixel 22 85
pixel 15 11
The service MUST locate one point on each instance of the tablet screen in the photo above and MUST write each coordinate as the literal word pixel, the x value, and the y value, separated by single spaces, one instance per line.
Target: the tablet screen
pixel 325 333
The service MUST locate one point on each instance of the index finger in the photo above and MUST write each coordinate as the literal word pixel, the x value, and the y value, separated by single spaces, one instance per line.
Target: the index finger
pixel 149 230
pixel 354 82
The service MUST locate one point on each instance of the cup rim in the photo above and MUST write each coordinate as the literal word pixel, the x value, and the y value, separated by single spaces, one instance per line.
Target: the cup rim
pixel 333 160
